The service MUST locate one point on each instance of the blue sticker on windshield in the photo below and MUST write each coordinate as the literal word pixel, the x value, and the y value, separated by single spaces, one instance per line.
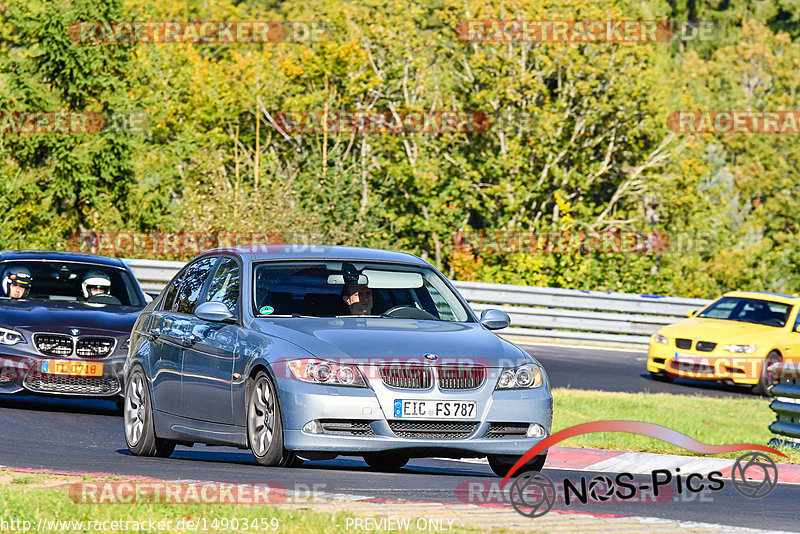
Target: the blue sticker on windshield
pixel 266 310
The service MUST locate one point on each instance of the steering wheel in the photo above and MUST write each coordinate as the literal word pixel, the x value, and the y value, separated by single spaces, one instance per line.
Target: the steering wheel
pixel 407 312
pixel 103 299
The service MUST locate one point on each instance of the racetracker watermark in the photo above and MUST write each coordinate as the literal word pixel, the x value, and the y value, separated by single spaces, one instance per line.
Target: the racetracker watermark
pixel 573 242
pixel 717 367
pixel 257 493
pixel 72 122
pixel 617 488
pixel 381 122
pixel 197 32
pixel 584 31
pixel 183 243
pixel 565 242
pixel 734 122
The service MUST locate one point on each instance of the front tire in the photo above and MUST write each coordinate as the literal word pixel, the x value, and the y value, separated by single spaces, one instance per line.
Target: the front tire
pixel 766 378
pixel 501 468
pixel 264 425
pixel 137 411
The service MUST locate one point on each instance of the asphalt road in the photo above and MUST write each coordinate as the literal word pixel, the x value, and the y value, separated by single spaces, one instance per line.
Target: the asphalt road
pixel 615 370
pixel 86 435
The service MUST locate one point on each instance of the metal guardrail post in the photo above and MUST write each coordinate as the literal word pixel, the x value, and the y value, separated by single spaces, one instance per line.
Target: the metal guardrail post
pixel 786 406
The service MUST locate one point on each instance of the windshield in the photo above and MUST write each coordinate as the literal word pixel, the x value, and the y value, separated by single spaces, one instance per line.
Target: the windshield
pixel 69 282
pixel 335 289
pixel 747 310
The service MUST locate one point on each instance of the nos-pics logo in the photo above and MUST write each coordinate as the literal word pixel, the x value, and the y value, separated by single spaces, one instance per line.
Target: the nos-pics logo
pixel 533 494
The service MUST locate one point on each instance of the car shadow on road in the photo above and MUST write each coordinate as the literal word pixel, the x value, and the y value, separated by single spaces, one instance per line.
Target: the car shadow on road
pixel 61 405
pixel 344 463
pixel 682 386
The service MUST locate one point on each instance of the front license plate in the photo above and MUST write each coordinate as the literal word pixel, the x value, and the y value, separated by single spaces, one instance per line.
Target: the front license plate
pixel 690 359
pixel 57 367
pixel 431 409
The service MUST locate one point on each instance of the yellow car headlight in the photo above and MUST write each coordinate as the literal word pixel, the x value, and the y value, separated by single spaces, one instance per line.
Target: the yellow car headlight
pixel 658 338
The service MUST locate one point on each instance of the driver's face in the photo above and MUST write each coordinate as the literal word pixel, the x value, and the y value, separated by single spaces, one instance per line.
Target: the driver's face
pixel 15 291
pixel 360 300
pixel 97 290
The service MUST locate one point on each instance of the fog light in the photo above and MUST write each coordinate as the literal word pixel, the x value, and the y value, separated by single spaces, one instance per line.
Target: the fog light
pixel 535 431
pixel 6 378
pixel 313 427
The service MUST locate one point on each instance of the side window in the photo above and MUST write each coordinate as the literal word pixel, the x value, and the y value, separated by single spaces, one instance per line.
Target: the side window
pixel 192 285
pixel 225 286
pixel 172 291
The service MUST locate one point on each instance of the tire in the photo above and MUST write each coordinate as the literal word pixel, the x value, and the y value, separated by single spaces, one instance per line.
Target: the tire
pixel 765 378
pixel 137 412
pixel 660 377
pixel 264 425
pixel 386 461
pixel 502 468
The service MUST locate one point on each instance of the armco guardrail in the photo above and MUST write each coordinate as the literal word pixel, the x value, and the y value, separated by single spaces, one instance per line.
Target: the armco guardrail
pixel 786 406
pixel 579 315
pixel 536 312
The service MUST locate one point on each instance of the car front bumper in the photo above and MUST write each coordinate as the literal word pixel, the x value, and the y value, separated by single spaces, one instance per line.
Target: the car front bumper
pixel 367 427
pixel 22 372
pixel 715 365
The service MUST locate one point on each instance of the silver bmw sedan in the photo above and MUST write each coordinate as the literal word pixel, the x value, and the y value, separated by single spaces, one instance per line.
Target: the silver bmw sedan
pixel 304 352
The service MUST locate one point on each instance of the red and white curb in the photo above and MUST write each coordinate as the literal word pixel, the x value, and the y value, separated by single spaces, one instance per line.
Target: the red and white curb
pixel 643 463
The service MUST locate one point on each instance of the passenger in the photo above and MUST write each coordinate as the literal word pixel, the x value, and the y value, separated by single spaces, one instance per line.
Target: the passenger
pixel 359 298
pixel 17 282
pixel 95 283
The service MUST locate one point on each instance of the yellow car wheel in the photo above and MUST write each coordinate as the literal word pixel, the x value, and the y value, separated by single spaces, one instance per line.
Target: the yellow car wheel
pixel 765 378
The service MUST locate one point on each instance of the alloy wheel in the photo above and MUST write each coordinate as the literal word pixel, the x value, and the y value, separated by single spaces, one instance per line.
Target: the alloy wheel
pixel 261 416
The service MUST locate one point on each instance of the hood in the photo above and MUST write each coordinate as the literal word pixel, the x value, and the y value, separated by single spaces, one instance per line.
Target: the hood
pixel 377 339
pixel 718 330
pixel 58 316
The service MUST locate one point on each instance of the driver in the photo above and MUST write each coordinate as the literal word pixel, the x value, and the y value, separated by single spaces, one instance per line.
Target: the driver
pixel 17 282
pixel 359 298
pixel 95 283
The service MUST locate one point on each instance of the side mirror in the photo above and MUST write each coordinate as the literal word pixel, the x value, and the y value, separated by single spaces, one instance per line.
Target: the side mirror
pixel 691 313
pixel 215 312
pixel 495 319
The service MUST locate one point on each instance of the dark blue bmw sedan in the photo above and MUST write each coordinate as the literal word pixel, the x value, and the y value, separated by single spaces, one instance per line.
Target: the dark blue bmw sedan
pixel 302 352
pixel 65 322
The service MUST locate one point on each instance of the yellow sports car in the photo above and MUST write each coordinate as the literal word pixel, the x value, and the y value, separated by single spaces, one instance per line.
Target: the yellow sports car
pixel 734 339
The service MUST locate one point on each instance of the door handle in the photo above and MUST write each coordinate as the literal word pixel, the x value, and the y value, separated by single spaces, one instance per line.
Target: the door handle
pixel 189 340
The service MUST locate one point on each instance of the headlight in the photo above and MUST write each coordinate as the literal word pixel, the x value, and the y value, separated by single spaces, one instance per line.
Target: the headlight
pixel 526 376
pixel 316 371
pixel 10 337
pixel 741 349
pixel 658 338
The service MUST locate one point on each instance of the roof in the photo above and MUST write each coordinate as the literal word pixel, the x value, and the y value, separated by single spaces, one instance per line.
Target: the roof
pixel 60 255
pixel 763 295
pixel 319 252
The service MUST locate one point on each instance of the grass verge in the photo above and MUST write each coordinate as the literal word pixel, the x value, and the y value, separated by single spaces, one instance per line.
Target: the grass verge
pixel 712 420
pixel 33 498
